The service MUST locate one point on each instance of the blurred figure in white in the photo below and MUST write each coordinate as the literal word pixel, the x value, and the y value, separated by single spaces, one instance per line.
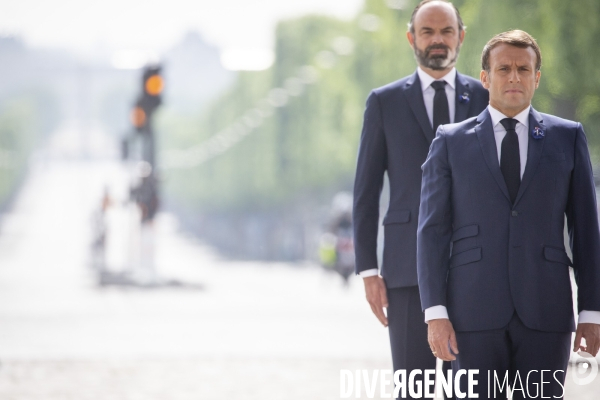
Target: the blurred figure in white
pixel 145 196
pixel 99 229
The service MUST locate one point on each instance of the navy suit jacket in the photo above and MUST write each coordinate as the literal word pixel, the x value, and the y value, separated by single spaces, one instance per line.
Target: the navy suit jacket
pixel 395 138
pixel 483 257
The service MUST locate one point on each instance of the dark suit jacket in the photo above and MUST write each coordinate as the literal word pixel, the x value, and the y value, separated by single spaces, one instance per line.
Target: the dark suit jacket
pixel 483 257
pixel 395 138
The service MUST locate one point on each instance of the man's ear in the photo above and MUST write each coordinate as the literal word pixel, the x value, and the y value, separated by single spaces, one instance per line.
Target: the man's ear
pixel 462 36
pixel 411 39
pixel 538 74
pixel 485 79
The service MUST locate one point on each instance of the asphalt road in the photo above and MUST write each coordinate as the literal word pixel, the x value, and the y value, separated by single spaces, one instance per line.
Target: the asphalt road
pixel 248 330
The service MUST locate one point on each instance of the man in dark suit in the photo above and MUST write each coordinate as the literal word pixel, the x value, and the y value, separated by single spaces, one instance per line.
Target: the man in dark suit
pixel 399 125
pixel 493 270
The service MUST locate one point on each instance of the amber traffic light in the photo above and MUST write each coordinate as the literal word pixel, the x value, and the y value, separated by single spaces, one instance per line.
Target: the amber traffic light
pixel 154 85
pixel 149 100
pixel 138 117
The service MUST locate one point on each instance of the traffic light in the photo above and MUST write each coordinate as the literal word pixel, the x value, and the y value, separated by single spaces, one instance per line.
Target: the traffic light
pixel 138 117
pixel 146 193
pixel 150 99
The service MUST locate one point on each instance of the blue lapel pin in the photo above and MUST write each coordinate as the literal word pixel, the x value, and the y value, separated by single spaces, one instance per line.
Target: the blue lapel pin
pixel 537 133
pixel 464 98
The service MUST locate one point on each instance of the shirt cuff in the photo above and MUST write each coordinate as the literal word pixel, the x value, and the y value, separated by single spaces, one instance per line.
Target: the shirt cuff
pixel 436 312
pixel 369 272
pixel 589 317
pixel 440 312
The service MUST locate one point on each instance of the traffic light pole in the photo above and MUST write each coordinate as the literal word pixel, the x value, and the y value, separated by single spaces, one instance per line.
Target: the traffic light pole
pixel 149 147
pixel 145 193
pixel 146 105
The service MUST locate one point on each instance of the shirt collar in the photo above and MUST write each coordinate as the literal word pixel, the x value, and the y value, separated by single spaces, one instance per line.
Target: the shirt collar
pixel 497 116
pixel 426 79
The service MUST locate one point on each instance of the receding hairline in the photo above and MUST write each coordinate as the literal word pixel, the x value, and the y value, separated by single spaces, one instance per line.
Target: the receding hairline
pixel 436 3
pixel 449 7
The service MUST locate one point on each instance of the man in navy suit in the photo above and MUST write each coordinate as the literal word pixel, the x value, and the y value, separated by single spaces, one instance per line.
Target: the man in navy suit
pixel 493 270
pixel 399 124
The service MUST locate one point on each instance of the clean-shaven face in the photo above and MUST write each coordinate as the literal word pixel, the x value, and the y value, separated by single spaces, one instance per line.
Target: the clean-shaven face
pixel 512 78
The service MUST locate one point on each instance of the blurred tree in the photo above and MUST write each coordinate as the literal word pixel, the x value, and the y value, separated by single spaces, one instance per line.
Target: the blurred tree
pixel 306 151
pixel 21 124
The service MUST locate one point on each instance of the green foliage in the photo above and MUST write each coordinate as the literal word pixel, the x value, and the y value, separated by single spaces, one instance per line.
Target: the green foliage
pixel 307 150
pixel 19 130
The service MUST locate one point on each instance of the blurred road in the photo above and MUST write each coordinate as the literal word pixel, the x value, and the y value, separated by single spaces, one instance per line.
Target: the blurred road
pixel 255 330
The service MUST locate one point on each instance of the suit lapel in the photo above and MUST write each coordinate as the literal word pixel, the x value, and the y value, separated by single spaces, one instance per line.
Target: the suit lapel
pixel 487 141
pixel 534 152
pixel 414 93
pixel 462 106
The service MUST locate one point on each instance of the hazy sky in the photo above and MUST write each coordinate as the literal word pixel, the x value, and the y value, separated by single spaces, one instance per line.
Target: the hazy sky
pixel 87 26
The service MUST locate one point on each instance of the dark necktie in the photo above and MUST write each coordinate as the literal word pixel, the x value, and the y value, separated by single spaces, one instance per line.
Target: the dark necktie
pixel 441 113
pixel 510 160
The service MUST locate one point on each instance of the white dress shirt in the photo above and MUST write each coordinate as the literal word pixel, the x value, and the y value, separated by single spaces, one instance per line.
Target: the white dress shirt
pixel 428 94
pixel 522 129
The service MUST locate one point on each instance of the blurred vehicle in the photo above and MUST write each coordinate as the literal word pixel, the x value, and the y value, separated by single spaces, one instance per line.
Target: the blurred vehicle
pixel 336 249
pixel 344 250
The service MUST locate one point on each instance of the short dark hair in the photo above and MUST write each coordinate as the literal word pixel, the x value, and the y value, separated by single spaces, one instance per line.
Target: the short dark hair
pixel 515 38
pixel 411 24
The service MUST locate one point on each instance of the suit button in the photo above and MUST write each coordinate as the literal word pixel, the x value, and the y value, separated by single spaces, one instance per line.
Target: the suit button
pixel 515 213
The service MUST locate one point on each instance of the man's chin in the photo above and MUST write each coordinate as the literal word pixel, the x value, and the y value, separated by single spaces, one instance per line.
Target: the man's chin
pixel 438 66
pixel 516 101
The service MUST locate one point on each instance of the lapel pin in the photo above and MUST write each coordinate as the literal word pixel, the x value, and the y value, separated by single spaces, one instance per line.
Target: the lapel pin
pixel 537 133
pixel 464 98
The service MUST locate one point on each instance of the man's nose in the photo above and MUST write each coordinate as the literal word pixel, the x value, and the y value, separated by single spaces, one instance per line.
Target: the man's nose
pixel 437 38
pixel 514 76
